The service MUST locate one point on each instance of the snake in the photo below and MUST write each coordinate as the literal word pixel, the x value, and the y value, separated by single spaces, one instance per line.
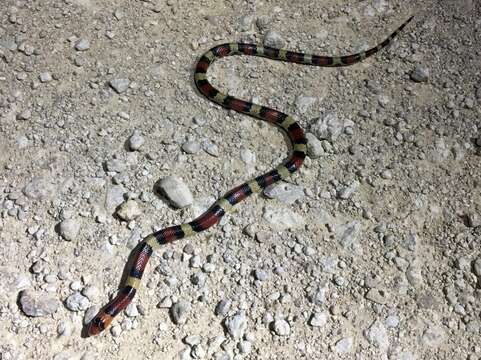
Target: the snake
pixel 141 254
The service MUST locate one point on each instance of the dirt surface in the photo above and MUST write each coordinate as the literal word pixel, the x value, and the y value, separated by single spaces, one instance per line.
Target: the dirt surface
pixel 371 251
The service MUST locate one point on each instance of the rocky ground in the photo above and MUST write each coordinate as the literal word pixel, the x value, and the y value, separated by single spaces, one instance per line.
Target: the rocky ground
pixel 371 251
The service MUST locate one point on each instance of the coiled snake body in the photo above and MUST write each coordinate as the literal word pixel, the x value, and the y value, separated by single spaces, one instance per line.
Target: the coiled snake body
pixel 141 254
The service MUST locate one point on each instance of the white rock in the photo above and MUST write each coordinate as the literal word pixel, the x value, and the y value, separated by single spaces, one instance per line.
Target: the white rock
pixel 433 336
pixel 328 127
pixel 119 85
pixel 285 192
pixel 77 302
pixel 344 345
pixel 377 335
pixel 281 327
pixel 82 45
pixel 136 141
pixel 69 229
pixel 303 103
pixel 176 191
pixel 273 39
pixel 236 325
pixel 129 210
pixel 319 319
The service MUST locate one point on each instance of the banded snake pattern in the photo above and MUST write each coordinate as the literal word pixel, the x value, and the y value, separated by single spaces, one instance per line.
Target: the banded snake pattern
pixel 143 251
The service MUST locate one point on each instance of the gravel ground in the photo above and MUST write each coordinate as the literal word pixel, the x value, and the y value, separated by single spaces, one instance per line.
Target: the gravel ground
pixel 371 251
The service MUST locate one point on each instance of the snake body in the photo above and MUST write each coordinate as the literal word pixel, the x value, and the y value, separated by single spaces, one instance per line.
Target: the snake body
pixel 143 251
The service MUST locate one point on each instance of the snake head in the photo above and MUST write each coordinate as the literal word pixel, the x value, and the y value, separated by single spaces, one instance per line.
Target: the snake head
pixel 100 322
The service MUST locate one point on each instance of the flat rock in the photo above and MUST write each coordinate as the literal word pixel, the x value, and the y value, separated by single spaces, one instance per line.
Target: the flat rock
pixel 119 85
pixel 37 304
pixel 284 192
pixel 282 218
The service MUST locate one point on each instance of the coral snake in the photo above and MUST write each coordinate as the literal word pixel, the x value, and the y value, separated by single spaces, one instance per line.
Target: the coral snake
pixel 144 249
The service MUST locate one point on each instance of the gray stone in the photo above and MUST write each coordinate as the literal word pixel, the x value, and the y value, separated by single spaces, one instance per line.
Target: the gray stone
pixel 45 77
pixel 210 148
pixel 82 45
pixel 114 197
pixel 176 191
pixel 477 267
pixel 378 296
pixel 314 146
pixel 132 310
pixel 263 22
pixel 136 140
pixel 303 103
pixel 248 157
pixel 236 325
pixel 116 165
pixel 281 327
pixel 38 188
pixel 319 319
pixel 77 302
pixel 328 127
pixel 420 74
pixel 344 345
pixel 24 115
pixel 119 85
pixel 37 304
pixel 348 235
pixel 433 336
pixel 191 147
pixel 347 191
pixel 260 275
pixel 246 22
pixel 377 335
pixel 69 229
pixel 273 39
pixel 392 321
pixel 180 311
pixel 474 219
pixel 222 307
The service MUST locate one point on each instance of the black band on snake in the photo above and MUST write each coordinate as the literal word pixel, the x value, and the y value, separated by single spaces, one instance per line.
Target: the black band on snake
pixel 152 242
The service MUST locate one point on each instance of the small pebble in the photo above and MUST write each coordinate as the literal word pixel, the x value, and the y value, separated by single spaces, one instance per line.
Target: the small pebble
pixel 129 210
pixel 45 77
pixel 77 302
pixel 180 311
pixel 274 39
pixel 82 45
pixel 136 140
pixel 319 319
pixel 281 327
pixel 69 229
pixel 119 85
pixel 420 74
